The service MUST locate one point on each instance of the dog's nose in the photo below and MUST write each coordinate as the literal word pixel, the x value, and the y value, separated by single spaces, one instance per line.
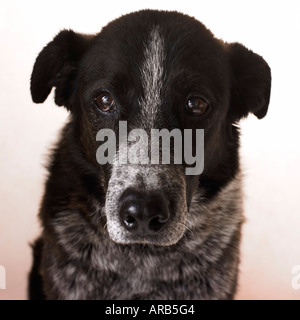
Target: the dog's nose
pixel 143 213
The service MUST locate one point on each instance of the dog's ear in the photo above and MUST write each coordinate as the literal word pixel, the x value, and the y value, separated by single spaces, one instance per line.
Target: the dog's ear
pixel 57 65
pixel 251 83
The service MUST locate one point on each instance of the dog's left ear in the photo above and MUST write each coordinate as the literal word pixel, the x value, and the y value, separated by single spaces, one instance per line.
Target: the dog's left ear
pixel 57 66
pixel 251 83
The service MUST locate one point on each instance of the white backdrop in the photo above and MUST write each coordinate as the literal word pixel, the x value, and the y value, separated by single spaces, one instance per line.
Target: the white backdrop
pixel 270 147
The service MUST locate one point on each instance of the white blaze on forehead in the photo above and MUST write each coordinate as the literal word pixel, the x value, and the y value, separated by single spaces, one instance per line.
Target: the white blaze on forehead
pixel 152 76
pixel 145 177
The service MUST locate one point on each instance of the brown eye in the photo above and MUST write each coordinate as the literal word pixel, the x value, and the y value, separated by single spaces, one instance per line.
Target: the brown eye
pixel 105 101
pixel 196 106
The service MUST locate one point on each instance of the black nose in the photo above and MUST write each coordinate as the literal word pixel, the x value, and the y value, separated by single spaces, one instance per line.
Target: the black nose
pixel 143 213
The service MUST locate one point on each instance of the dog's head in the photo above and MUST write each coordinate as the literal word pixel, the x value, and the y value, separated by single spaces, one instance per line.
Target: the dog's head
pixel 154 70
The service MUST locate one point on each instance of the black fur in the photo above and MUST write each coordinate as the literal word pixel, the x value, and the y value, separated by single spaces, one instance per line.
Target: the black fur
pixel 75 257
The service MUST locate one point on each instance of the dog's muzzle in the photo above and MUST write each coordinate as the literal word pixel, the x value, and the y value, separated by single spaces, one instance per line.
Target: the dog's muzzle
pixel 146 204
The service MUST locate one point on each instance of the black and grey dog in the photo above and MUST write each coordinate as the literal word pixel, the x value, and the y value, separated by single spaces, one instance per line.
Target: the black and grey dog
pixel 144 231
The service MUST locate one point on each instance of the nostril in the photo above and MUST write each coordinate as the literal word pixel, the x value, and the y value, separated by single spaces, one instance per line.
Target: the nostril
pixel 129 215
pixel 157 223
pixel 129 221
pixel 154 224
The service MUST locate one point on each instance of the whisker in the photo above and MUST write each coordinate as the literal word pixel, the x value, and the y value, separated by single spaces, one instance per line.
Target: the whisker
pixel 186 227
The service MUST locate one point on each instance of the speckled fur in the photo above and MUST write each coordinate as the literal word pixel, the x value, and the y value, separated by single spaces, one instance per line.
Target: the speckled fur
pixel 202 265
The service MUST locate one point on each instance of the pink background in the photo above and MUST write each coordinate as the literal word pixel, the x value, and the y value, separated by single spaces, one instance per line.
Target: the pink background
pixel 270 147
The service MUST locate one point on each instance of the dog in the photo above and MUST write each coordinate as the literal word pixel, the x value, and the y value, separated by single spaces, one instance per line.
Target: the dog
pixel 144 231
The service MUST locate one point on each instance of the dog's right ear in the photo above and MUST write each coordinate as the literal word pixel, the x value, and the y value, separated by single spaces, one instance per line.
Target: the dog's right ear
pixel 57 66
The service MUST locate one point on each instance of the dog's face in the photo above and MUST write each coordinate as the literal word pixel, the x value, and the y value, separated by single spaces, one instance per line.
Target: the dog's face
pixel 154 70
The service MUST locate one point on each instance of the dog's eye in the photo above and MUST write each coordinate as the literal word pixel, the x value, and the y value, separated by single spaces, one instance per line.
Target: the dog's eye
pixel 196 106
pixel 104 101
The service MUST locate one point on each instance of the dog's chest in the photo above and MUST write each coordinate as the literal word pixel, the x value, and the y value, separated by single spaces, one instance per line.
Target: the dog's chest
pixel 111 277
